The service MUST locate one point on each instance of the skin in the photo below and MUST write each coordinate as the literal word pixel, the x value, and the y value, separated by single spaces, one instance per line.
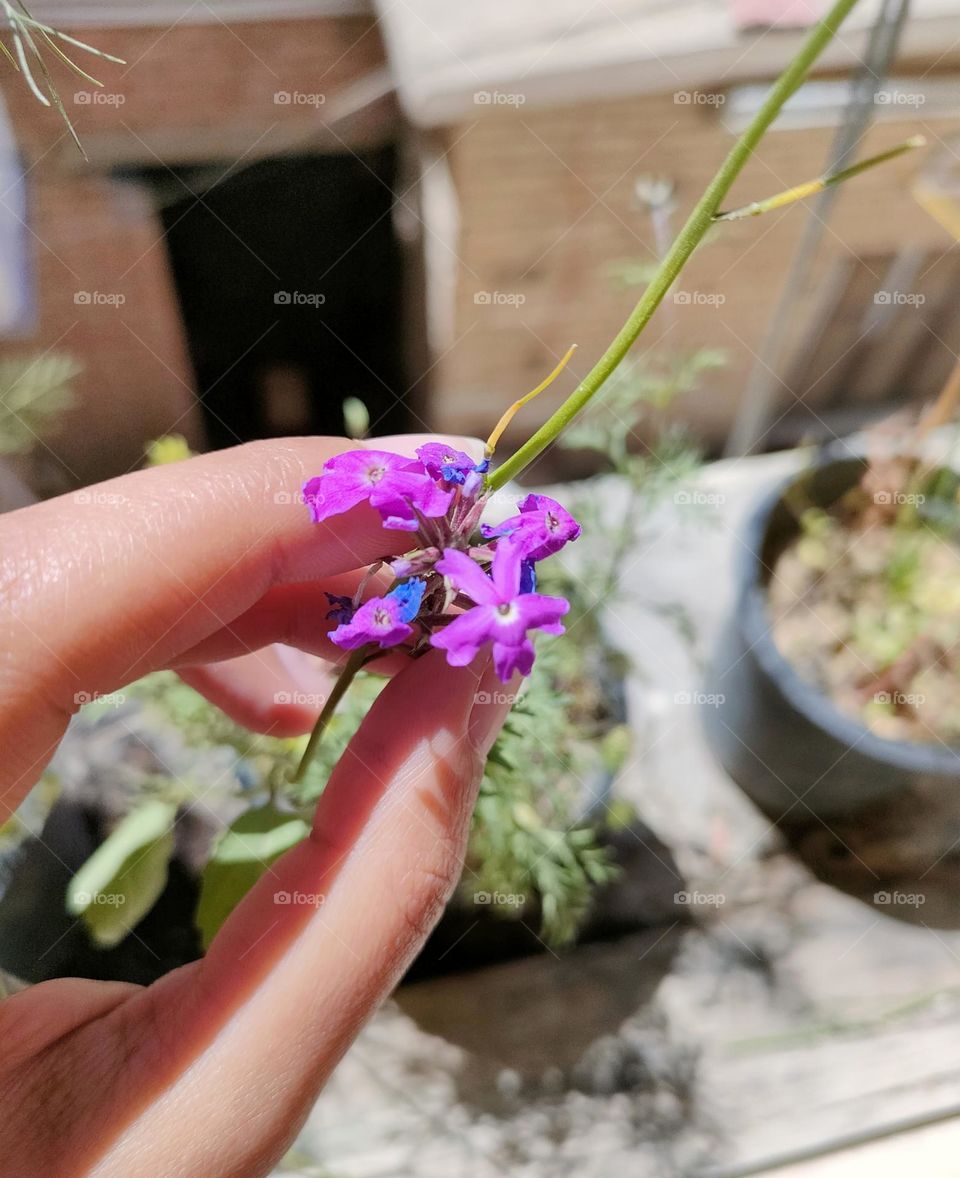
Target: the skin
pixel 213 1069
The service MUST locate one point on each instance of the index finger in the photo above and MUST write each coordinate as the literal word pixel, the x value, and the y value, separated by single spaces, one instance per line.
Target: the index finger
pixel 104 585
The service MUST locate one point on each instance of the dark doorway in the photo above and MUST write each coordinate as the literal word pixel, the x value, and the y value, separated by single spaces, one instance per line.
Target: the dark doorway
pixel 289 277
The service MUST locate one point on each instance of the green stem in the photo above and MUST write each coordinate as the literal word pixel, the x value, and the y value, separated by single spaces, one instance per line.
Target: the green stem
pixel 812 187
pixel 344 679
pixel 685 243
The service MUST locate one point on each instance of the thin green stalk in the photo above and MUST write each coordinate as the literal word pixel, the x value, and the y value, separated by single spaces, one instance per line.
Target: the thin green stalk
pixel 813 187
pixel 686 242
pixel 344 679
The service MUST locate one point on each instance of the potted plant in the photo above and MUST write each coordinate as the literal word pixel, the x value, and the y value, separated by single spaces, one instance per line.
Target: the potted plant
pixel 836 667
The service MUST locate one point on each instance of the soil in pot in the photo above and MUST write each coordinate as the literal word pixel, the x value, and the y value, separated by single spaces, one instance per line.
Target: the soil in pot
pixel 865 602
pixel 643 896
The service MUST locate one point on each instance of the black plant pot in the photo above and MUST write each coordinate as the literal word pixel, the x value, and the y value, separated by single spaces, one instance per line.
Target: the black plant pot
pixel 778 737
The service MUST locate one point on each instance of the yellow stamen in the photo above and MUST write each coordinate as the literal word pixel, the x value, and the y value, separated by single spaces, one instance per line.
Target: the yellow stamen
pixel 518 405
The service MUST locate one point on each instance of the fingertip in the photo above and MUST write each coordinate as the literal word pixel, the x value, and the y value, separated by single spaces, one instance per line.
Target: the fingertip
pixel 407 444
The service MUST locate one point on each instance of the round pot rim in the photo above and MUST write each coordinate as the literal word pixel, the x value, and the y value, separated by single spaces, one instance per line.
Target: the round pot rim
pixel 813 704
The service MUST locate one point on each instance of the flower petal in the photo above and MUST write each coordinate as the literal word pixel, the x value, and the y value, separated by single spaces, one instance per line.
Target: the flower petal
pixel 539 612
pixel 509 659
pixel 408 597
pixel 543 527
pixel 348 479
pixel 465 635
pixel 506 570
pixel 401 494
pixel 443 462
pixel 465 574
pixel 327 495
pixel 376 621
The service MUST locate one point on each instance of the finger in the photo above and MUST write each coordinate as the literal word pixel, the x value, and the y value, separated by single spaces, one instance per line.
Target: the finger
pixel 408 443
pixel 287 985
pixel 295 615
pixel 100 587
pixel 278 690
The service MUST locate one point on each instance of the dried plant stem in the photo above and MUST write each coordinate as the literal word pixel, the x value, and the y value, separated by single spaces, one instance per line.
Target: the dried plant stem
pixel 22 28
pixel 813 187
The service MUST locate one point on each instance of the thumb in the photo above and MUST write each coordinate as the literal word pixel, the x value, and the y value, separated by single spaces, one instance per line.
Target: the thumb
pixel 242 1041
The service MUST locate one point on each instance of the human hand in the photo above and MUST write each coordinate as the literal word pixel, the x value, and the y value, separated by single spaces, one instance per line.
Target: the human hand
pixel 212 1069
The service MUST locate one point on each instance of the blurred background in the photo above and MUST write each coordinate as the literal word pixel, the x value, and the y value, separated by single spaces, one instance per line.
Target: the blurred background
pixel 709 921
pixel 423 205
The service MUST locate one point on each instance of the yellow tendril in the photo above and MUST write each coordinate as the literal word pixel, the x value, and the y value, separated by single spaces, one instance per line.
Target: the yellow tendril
pixel 518 405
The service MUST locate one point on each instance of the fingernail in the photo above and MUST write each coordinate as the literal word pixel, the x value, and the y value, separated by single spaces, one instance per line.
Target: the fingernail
pixel 492 702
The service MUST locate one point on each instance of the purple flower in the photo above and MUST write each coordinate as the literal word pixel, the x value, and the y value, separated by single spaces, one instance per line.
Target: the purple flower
pixel 382 620
pixel 541 528
pixel 349 479
pixel 502 614
pixel 443 462
pixel 474 479
pixel 342 610
pixel 397 487
pixel 409 495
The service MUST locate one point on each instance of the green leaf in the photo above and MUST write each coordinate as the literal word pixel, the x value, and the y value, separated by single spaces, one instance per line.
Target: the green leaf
pixel 120 882
pixel 245 851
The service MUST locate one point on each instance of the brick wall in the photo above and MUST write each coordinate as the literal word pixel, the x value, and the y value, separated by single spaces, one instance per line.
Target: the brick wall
pixel 187 92
pixel 547 202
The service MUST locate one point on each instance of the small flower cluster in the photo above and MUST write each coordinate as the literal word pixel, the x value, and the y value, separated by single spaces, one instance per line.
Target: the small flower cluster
pixel 463 584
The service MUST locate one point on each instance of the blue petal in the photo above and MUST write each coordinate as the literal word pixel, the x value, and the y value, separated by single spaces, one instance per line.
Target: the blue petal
pixel 453 474
pixel 408 596
pixel 528 577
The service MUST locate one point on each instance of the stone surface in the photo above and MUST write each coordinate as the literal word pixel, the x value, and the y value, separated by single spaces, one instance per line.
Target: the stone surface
pixel 783 1018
